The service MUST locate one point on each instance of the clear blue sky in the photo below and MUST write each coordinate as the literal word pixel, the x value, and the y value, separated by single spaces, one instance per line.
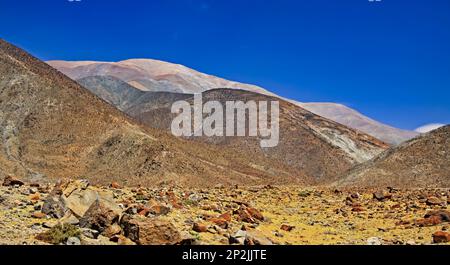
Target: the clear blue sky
pixel 390 59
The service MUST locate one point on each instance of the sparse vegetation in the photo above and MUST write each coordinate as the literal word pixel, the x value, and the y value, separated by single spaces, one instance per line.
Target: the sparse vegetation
pixel 59 234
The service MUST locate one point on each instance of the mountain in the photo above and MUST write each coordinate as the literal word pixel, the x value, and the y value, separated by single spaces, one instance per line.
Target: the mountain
pixel 154 75
pixel 315 146
pixel 52 127
pixel 151 75
pixel 423 162
pixel 112 90
pixel 353 119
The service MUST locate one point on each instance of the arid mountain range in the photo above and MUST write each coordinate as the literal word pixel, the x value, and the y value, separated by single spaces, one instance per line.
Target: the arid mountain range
pixel 52 127
pixel 421 162
pixel 154 75
pixel 319 147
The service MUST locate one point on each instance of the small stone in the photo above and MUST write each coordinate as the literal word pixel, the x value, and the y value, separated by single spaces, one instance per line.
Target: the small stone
pixel 255 213
pixel 115 185
pixel 358 209
pixel 73 241
pixel 287 228
pixel 112 230
pixel 238 237
pixel 411 243
pixel 70 218
pixel 38 215
pixel 355 195
pixel 221 222
pixel 200 228
pixel 226 217
pixel 159 210
pixel 90 233
pixel 48 225
pixel 35 197
pixel 379 195
pixel 374 241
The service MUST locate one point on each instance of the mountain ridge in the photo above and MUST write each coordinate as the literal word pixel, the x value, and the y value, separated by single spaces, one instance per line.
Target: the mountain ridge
pixel 54 128
pixel 418 163
pixel 156 75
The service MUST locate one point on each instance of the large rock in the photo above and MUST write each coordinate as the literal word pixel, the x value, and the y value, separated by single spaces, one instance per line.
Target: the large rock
pixel 77 197
pixel 251 237
pixel 53 205
pixel 11 181
pixel 79 201
pixel 441 237
pixel 150 231
pixel 100 216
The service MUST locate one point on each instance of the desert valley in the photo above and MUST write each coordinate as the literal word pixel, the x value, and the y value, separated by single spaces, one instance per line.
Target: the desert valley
pixel 87 157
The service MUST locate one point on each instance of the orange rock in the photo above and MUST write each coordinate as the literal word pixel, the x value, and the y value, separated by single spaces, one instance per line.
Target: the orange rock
pixel 441 237
pixel 431 221
pixel 255 213
pixel 115 185
pixel 38 215
pixel 287 228
pixel 200 228
pixel 35 197
pixel 226 216
pixel 144 211
pixel 221 222
pixel 12 181
pixel 159 210
pixel 244 215
pixel 358 209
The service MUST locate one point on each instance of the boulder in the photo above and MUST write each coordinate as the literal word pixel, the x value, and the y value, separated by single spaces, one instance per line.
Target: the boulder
pixel 249 237
pixel 443 215
pixel 255 237
pixel 12 181
pixel 441 237
pixel 432 201
pixel 248 214
pixel 80 200
pixel 54 206
pixel 150 231
pixel 238 238
pixel 101 215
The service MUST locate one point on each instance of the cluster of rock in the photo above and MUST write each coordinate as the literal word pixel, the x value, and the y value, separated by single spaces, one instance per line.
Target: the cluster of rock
pixel 111 215
pixel 75 212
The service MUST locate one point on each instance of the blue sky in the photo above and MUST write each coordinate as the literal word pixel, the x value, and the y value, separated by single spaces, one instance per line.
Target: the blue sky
pixel 389 59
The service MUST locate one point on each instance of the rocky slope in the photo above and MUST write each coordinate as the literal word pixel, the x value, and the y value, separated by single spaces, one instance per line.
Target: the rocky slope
pixel 318 147
pixel 112 90
pixel 154 75
pixel 353 119
pixel 76 213
pixel 52 127
pixel 418 163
